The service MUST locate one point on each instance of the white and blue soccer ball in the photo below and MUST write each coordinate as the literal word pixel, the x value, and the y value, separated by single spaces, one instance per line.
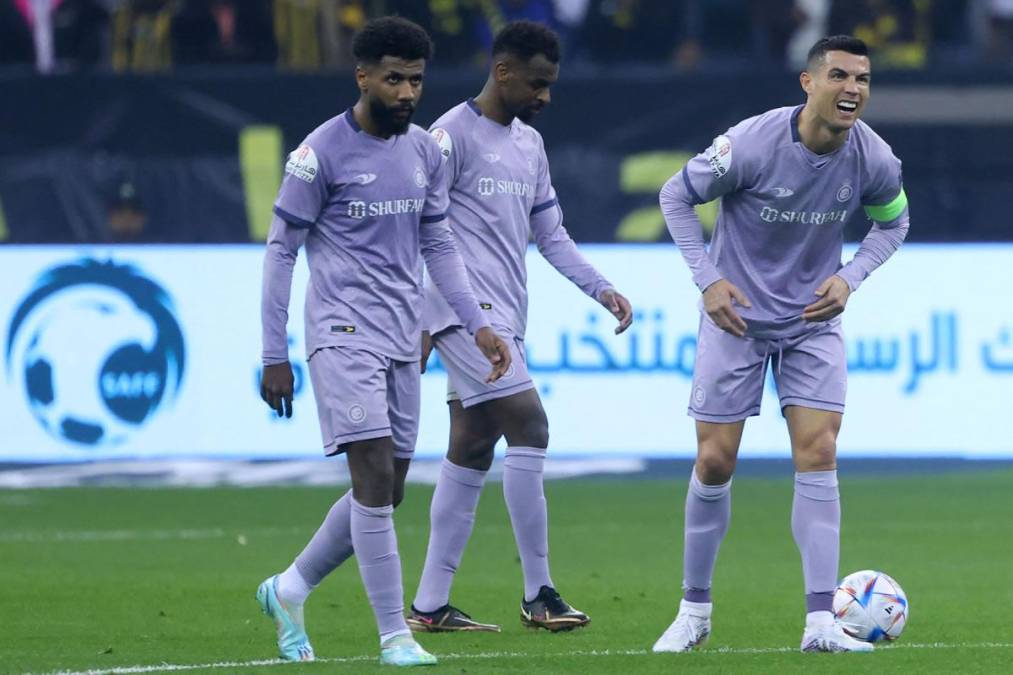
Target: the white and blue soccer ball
pixel 871 606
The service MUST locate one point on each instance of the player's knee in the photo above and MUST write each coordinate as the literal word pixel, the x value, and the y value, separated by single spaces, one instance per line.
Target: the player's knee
pixel 714 468
pixel 530 431
pixel 817 451
pixel 473 450
pixel 398 495
pixel 374 487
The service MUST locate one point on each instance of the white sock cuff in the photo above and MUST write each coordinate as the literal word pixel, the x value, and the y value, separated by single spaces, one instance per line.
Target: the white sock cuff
pixel 462 474
pixel 819 486
pixel 385 511
pixel 708 493
pixel 525 458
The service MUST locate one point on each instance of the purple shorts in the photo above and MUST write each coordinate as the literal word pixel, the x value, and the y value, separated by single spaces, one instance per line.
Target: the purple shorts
pixel 467 368
pixel 810 370
pixel 362 395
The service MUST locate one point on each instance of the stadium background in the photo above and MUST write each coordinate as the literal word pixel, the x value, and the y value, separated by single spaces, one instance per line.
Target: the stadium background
pixel 141 145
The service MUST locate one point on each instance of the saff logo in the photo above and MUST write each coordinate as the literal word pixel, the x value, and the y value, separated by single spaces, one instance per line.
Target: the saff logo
pixel 97 348
pixel 357 210
pixel 486 186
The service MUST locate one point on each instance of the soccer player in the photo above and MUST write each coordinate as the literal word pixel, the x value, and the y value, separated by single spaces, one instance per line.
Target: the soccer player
pixel 500 195
pixel 773 289
pixel 364 192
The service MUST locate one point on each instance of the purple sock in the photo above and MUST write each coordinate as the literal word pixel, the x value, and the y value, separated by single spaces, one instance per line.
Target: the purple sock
pixel 525 499
pixel 708 512
pixel 816 524
pixel 379 565
pixel 330 546
pixel 451 517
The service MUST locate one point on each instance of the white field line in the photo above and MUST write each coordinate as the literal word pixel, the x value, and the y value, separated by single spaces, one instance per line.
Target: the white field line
pixel 44 537
pixel 168 667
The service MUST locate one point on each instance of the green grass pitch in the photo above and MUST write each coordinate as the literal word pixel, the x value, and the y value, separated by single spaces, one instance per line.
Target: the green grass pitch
pixel 95 579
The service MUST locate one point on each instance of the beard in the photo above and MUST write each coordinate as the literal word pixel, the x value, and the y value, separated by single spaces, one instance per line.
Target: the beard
pixel 387 119
pixel 528 113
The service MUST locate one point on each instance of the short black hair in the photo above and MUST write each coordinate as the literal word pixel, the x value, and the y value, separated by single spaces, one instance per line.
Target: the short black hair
pixel 526 39
pixel 391 36
pixel 835 43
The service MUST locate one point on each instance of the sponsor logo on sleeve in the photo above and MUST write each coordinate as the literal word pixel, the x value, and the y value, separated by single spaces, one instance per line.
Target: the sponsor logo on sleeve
pixel 719 156
pixel 444 141
pixel 302 163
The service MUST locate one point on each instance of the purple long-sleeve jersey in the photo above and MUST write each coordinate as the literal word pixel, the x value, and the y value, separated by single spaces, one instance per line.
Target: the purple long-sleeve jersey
pixel 500 195
pixel 364 207
pixel 783 209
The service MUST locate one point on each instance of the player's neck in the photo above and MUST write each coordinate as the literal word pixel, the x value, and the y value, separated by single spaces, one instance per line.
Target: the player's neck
pixel 365 121
pixel 817 136
pixel 491 107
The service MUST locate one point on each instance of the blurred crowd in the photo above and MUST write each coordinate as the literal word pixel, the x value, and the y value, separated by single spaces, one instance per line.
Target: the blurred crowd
pixel 158 35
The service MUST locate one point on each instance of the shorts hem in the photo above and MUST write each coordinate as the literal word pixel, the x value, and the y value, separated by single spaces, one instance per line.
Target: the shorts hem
pixel 469 401
pixel 723 419
pixel 816 404
pixel 334 447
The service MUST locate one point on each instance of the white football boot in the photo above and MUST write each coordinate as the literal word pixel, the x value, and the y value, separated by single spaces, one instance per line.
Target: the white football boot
pixel 828 636
pixel 690 629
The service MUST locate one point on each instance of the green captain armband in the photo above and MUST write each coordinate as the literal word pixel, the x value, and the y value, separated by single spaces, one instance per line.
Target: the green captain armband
pixel 884 213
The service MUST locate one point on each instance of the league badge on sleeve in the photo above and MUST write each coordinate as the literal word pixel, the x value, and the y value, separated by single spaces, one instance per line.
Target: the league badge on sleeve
pixel 302 163
pixel 719 155
pixel 444 141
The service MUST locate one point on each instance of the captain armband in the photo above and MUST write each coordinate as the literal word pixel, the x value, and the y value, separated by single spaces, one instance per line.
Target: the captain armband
pixel 884 213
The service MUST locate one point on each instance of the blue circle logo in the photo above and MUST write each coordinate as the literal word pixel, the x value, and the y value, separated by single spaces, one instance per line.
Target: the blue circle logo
pixel 97 347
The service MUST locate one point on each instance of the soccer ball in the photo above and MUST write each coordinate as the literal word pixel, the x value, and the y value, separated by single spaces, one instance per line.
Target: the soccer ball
pixel 871 606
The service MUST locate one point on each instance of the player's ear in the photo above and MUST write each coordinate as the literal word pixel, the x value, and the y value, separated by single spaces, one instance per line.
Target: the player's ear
pixel 501 71
pixel 361 77
pixel 806 80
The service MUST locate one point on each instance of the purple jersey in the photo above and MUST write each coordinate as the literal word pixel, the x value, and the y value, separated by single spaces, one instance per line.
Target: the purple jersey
pixel 500 195
pixel 364 206
pixel 783 209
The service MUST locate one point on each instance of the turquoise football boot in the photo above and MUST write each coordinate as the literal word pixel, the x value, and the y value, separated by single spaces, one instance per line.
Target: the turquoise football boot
pixel 403 650
pixel 293 644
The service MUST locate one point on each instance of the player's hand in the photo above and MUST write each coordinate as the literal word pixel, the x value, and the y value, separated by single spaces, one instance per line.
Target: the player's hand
pixel 276 384
pixel 495 349
pixel 615 302
pixel 718 299
pixel 833 297
pixel 427 349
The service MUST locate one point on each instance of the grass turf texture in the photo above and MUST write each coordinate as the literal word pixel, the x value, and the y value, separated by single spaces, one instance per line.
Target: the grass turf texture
pixel 100 578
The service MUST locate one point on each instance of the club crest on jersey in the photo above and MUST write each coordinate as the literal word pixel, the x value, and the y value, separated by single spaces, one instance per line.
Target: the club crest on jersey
pixel 844 194
pixel 531 166
pixel 444 141
pixel 302 163
pixel 719 156
pixel 420 178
